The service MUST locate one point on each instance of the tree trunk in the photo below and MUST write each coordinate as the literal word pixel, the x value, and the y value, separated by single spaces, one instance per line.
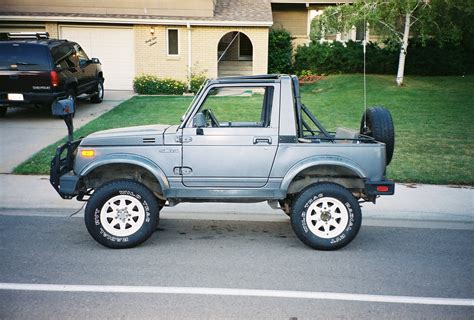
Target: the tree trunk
pixel 403 50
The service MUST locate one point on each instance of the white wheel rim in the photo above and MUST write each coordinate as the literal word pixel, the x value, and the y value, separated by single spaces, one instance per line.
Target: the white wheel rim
pixel 327 217
pixel 101 90
pixel 122 215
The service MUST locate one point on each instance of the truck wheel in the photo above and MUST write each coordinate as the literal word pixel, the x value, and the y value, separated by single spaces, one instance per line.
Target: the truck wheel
pixel 121 214
pixel 3 111
pixel 326 216
pixel 98 94
pixel 379 126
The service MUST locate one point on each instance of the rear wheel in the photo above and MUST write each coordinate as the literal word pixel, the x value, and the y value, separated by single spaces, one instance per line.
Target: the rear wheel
pixel 326 216
pixel 3 111
pixel 98 95
pixel 121 214
pixel 378 124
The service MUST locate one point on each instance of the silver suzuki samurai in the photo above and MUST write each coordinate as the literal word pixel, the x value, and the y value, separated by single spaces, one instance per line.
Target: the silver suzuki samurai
pixel 242 139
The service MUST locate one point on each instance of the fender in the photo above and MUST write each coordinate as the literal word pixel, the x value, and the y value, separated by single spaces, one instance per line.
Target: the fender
pixel 128 158
pixel 318 161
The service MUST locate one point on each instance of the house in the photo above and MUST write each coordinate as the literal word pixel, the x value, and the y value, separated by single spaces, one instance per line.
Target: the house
pixel 168 38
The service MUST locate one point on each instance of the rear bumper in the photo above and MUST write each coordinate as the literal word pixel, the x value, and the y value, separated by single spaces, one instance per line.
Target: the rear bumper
pixel 62 177
pixel 380 188
pixel 31 98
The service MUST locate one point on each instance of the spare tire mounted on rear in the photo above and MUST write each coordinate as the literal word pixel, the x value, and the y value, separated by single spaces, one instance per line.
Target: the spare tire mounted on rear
pixel 377 123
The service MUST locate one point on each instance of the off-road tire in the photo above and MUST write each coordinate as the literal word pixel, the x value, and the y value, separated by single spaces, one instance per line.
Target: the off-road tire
pixel 121 214
pixel 98 94
pixel 379 125
pixel 325 216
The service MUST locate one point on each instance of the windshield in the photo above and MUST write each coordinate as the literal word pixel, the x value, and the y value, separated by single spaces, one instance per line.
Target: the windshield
pixel 194 99
pixel 24 56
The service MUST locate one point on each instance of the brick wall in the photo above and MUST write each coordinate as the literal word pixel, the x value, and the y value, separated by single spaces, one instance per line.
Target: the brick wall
pixel 52 28
pixel 153 59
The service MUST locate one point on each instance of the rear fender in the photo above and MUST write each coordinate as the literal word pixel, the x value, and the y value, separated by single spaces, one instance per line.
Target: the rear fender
pixel 320 161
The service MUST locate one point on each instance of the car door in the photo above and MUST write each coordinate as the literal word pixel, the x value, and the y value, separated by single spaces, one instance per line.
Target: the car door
pixel 236 146
pixel 86 75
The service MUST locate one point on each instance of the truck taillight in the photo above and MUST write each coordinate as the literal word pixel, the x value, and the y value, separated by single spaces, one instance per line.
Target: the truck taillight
pixel 54 79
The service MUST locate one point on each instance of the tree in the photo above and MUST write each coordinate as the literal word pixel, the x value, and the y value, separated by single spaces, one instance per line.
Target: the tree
pixel 280 51
pixel 391 19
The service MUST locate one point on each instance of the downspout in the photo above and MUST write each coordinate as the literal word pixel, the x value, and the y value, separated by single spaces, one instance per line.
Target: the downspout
pixel 190 67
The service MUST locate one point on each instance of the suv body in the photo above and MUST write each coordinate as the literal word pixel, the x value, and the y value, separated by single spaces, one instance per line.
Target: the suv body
pixel 36 70
pixel 270 154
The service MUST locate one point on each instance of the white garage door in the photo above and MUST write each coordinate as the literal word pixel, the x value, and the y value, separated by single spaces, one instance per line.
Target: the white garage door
pixel 113 47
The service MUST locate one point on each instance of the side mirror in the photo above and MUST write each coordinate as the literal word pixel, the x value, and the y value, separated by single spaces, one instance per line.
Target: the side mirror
pixel 199 120
pixel 62 107
pixel 95 60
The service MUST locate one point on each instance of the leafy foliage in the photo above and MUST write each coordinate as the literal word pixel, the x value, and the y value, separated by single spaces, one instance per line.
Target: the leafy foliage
pixel 280 51
pixel 196 82
pixel 150 84
pixel 426 58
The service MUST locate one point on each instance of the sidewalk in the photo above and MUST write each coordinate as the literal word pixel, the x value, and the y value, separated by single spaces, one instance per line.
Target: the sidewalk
pixel 415 202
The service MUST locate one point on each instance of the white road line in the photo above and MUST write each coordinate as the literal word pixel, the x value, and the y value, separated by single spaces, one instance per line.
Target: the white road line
pixel 238 292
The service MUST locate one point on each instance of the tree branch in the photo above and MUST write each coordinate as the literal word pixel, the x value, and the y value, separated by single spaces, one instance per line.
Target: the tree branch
pixel 397 33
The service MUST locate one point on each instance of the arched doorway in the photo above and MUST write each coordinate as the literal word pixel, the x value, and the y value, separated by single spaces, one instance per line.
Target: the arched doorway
pixel 234 55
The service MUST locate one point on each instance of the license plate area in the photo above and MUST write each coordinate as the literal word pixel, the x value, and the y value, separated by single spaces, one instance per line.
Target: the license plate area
pixel 15 97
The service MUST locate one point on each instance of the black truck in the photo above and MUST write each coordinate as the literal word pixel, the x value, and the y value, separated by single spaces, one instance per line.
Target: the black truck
pixel 36 71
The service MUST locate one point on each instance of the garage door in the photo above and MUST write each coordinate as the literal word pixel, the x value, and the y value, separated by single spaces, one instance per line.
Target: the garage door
pixel 113 47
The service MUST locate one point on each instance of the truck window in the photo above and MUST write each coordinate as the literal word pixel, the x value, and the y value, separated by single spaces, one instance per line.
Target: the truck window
pixel 24 56
pixel 239 106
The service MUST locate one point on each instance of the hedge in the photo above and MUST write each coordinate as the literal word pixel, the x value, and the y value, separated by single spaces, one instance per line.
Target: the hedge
pixel 422 59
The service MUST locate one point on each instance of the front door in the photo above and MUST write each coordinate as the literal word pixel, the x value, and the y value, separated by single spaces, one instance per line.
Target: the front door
pixel 236 145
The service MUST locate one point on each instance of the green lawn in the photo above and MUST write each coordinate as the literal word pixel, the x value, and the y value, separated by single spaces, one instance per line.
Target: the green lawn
pixel 433 116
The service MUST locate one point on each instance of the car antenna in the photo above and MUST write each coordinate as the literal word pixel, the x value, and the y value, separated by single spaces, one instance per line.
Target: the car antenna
pixel 364 48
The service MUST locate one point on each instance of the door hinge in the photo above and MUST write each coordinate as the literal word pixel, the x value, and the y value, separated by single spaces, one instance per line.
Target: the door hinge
pixel 182 171
pixel 181 139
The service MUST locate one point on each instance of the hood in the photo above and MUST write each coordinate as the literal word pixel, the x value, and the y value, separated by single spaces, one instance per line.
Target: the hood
pixel 130 136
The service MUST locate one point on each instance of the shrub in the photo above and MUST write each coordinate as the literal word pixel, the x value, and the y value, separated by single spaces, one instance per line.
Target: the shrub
pixel 422 59
pixel 280 51
pixel 196 82
pixel 338 57
pixel 150 84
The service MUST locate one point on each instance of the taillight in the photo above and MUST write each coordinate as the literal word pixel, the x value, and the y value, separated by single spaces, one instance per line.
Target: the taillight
pixel 54 79
pixel 383 188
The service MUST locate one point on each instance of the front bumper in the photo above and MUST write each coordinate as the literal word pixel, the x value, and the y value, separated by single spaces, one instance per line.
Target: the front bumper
pixel 62 177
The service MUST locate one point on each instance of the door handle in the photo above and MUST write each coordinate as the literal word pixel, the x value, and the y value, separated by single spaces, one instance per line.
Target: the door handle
pixel 257 140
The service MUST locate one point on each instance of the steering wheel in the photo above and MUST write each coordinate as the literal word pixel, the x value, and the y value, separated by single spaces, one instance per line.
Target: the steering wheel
pixel 210 116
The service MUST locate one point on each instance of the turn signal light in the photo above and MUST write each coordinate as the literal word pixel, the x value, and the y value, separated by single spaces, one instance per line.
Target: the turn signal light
pixel 382 188
pixel 87 153
pixel 54 79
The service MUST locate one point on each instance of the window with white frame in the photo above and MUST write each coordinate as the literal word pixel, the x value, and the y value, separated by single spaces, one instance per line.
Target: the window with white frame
pixel 173 42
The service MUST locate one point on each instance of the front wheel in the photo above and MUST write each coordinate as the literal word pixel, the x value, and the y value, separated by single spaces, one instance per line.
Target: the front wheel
pixel 326 216
pixel 98 95
pixel 121 214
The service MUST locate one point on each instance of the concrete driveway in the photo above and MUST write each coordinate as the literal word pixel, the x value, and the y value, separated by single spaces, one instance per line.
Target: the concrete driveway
pixel 24 132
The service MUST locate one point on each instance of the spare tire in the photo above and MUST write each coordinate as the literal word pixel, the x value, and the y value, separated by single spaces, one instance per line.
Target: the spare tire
pixel 377 123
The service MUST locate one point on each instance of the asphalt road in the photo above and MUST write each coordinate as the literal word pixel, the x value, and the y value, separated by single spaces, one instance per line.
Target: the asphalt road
pixel 188 266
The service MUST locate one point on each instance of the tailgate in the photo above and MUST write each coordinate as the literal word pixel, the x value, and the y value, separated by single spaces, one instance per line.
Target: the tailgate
pixel 24 67
pixel 25 81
